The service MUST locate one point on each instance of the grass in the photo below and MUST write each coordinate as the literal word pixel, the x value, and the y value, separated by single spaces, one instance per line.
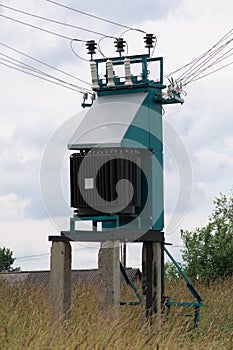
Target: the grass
pixel 25 322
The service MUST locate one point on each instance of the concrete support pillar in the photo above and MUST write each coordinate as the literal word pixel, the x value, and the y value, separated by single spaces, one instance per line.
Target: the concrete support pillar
pixel 60 280
pixel 109 276
pixel 152 281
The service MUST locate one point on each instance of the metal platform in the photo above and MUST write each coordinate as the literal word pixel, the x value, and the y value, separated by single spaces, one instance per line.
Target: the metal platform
pixel 117 234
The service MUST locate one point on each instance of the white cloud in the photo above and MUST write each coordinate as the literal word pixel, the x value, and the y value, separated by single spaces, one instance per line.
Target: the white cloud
pixel 213 165
pixel 12 207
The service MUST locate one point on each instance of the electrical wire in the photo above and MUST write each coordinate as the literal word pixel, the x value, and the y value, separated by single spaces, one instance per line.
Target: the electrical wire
pixel 191 77
pixel 208 52
pixel 209 57
pixel 22 65
pixel 98 45
pixel 219 59
pixel 55 21
pixel 130 29
pixel 204 62
pixel 34 256
pixel 39 28
pixel 31 256
pixel 45 64
pixel 216 70
pixel 75 53
pixel 40 77
pixel 94 16
pixel 199 58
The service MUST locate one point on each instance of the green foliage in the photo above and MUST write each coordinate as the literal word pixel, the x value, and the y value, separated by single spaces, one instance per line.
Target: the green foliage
pixel 208 250
pixel 170 271
pixel 6 259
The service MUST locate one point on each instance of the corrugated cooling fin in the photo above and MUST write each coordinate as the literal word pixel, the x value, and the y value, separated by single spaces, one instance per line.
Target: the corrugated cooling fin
pixel 94 175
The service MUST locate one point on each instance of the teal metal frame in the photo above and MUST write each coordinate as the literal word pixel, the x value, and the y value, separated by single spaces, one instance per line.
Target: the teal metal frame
pixel 94 219
pixel 143 59
pixel 132 285
pixel 192 289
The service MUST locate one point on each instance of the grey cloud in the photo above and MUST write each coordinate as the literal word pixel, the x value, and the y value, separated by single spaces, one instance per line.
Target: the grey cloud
pixel 20 159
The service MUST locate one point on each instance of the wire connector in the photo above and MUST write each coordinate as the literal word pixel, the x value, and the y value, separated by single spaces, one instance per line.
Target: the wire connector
pixel 175 88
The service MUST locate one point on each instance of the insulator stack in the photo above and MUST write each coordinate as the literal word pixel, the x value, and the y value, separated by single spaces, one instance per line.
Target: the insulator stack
pixel 91 47
pixel 149 40
pixel 110 74
pixel 120 45
pixel 94 76
pixel 128 80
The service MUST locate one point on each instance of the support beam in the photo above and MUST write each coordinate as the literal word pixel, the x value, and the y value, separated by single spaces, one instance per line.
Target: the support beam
pixel 123 254
pixel 152 281
pixel 109 277
pixel 60 280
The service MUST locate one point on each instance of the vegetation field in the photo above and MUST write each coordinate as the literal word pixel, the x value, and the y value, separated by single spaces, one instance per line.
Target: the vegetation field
pixel 25 321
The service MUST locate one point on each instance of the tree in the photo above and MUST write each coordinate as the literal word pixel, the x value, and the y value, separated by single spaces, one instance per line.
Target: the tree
pixel 170 271
pixel 6 259
pixel 209 250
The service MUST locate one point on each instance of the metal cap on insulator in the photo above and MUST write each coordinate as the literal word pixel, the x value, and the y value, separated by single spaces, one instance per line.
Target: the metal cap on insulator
pixel 149 40
pixel 91 47
pixel 120 45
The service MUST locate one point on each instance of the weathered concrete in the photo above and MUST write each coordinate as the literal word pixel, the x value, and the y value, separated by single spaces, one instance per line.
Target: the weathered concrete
pixel 152 283
pixel 60 281
pixel 109 277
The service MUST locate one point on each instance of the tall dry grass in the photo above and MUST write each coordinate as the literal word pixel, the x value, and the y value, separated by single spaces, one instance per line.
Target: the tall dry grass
pixel 25 322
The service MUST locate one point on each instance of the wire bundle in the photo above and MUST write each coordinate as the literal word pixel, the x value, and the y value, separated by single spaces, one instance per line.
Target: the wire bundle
pixel 11 62
pixel 202 66
pixel 198 68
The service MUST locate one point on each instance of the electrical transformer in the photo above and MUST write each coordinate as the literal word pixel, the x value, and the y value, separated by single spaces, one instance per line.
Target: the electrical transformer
pixel 116 168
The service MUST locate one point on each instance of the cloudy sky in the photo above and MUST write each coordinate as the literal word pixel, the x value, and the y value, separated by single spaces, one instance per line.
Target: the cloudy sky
pixel 33 112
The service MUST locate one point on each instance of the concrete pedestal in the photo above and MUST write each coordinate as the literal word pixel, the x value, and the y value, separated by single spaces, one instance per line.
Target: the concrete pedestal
pixel 109 277
pixel 152 280
pixel 60 280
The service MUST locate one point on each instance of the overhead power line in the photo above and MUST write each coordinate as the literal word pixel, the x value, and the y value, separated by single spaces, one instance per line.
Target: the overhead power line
pixel 40 77
pixel 45 64
pixel 39 28
pixel 205 59
pixel 55 21
pixel 214 56
pixel 35 256
pixel 26 68
pixel 216 70
pixel 95 16
pixel 32 256
pixel 197 59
